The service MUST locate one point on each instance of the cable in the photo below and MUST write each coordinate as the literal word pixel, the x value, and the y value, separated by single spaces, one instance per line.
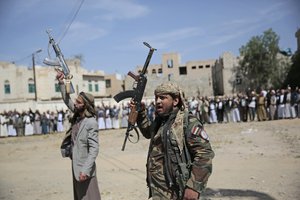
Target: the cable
pixel 64 33
pixel 72 20
pixel 21 59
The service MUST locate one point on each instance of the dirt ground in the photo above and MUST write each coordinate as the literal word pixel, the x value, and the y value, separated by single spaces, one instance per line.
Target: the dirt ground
pixel 254 160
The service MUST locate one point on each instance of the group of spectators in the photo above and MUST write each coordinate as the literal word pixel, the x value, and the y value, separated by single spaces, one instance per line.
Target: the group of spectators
pixel 243 107
pixel 260 105
pixel 249 106
pixel 14 123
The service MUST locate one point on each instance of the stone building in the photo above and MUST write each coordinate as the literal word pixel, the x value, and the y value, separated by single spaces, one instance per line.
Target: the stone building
pixel 18 82
pixel 18 85
pixel 202 77
pixel 114 83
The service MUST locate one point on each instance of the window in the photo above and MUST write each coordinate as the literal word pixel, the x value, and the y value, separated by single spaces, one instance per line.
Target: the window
pixel 140 71
pixel 182 71
pixel 194 67
pixel 170 63
pixel 96 87
pixel 31 86
pixel 207 66
pixel 90 86
pixel 108 83
pixel 160 71
pixel 57 88
pixel 6 87
pixel 200 66
pixel 153 71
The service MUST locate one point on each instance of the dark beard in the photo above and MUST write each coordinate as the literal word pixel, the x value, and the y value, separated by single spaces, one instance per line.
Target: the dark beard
pixel 78 110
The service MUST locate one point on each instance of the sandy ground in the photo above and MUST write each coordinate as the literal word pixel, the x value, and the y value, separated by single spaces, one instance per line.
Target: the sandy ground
pixel 257 160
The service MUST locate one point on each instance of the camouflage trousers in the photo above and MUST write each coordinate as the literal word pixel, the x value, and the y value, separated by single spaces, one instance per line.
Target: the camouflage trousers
pixel 159 194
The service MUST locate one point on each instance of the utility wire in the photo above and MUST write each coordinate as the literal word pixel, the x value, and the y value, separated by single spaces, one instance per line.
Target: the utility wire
pixel 72 20
pixel 64 33
pixel 21 59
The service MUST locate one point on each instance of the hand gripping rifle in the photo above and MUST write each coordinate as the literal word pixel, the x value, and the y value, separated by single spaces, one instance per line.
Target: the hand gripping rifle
pixel 59 61
pixel 136 94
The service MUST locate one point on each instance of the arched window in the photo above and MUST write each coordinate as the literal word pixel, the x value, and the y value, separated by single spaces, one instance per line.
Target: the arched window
pixel 6 87
pixel 31 86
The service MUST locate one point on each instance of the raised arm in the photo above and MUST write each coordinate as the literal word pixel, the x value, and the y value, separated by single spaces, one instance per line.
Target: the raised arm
pixel 66 96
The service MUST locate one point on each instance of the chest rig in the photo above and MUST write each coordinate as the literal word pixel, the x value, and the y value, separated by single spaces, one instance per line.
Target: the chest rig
pixel 177 158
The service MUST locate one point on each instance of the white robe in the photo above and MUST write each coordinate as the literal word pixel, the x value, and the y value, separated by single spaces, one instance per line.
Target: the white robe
pixel 3 126
pixel 60 126
pixel 28 126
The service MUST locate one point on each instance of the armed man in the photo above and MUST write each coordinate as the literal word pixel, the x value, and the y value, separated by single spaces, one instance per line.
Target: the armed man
pixel 81 143
pixel 180 156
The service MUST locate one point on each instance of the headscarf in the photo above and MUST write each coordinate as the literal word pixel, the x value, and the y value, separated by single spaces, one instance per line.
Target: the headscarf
pixel 89 102
pixel 172 89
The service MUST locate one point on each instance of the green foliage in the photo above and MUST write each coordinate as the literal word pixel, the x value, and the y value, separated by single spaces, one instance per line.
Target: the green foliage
pixel 293 77
pixel 259 65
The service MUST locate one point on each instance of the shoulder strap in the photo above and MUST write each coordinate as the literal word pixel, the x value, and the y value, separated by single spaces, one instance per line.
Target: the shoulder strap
pixel 185 149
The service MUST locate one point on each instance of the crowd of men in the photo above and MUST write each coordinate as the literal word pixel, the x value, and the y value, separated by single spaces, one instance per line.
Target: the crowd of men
pixel 249 106
pixel 14 123
pixel 243 107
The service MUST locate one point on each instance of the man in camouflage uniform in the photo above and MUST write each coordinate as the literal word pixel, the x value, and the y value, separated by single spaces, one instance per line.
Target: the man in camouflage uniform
pixel 173 133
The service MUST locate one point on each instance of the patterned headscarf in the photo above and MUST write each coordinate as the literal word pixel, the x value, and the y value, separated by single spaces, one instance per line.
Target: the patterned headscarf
pixel 90 104
pixel 174 90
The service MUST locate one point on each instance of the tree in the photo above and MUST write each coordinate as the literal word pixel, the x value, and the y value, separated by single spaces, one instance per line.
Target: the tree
pixel 293 77
pixel 259 65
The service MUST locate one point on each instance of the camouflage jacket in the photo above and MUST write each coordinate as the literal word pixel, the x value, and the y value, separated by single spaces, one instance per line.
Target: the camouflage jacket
pixel 197 143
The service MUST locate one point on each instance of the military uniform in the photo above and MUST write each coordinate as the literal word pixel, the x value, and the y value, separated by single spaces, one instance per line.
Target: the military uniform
pixel 178 130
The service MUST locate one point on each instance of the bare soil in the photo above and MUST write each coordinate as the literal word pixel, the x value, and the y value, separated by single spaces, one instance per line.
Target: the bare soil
pixel 254 160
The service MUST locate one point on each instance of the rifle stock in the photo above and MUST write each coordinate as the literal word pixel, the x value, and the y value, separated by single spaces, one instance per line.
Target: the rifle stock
pixel 124 95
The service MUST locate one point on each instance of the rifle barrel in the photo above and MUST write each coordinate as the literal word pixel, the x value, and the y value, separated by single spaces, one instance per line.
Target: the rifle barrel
pixel 148 57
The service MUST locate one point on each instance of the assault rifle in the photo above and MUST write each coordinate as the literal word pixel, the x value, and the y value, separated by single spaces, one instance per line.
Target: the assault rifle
pixel 59 61
pixel 136 94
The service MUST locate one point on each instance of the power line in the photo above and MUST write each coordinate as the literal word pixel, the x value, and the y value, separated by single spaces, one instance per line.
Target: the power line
pixel 63 35
pixel 21 59
pixel 72 20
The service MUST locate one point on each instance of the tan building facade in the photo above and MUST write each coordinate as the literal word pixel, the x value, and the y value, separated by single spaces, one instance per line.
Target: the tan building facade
pixel 114 84
pixel 17 82
pixel 203 77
